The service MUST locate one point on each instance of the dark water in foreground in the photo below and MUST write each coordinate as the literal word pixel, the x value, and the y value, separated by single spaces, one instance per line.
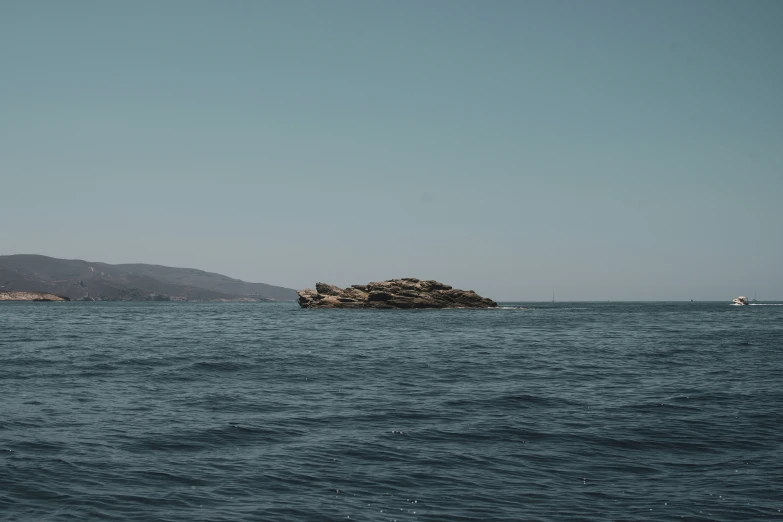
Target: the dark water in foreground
pixel 174 411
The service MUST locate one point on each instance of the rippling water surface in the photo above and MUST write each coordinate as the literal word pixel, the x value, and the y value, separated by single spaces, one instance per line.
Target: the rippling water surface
pixel 255 411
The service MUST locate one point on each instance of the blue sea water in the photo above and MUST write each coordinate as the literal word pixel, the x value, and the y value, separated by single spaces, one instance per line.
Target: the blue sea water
pixel 260 411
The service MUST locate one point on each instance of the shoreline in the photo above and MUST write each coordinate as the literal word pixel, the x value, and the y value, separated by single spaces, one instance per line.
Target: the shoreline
pixel 7 295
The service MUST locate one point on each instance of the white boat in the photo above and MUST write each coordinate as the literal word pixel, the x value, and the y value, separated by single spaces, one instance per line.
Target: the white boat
pixel 741 300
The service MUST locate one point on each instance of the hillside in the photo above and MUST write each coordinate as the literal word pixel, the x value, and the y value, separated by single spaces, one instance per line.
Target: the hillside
pixel 77 279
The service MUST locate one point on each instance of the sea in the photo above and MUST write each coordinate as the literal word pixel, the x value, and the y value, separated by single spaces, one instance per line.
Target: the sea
pixel 265 411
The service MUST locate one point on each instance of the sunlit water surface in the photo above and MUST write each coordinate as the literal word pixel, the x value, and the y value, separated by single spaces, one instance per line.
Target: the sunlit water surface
pixel 254 411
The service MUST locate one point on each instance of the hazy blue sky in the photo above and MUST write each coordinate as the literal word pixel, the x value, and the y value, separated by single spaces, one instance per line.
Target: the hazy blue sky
pixel 603 149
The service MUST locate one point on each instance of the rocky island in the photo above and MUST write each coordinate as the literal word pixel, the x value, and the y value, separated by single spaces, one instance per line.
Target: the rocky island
pixel 394 293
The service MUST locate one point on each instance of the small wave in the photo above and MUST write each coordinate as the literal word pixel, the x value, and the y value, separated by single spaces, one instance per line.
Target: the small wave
pixel 213 437
pixel 766 304
pixel 514 400
pixel 550 308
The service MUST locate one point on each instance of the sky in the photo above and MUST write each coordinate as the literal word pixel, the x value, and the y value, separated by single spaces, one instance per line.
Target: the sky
pixel 603 150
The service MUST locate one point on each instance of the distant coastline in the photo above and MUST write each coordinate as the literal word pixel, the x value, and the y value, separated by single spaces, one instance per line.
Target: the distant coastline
pixel 30 296
pixel 78 280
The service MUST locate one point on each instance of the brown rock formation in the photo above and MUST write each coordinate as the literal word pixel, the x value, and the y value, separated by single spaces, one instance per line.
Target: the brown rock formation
pixel 394 293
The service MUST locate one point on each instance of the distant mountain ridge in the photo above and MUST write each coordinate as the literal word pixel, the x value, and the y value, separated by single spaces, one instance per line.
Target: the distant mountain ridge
pixel 78 279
